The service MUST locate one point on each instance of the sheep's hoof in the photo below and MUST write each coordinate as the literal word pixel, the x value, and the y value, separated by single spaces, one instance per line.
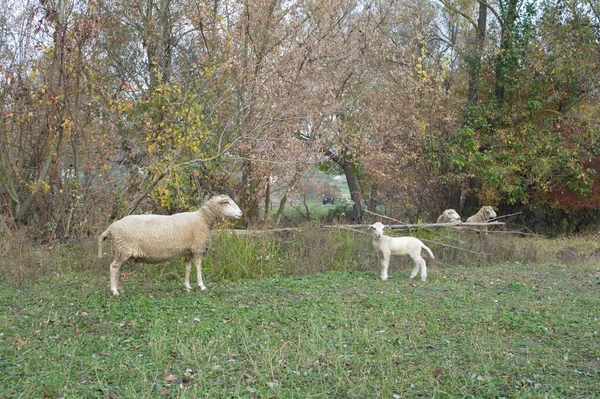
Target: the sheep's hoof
pixel 202 288
pixel 384 278
pixel 115 292
pixel 188 288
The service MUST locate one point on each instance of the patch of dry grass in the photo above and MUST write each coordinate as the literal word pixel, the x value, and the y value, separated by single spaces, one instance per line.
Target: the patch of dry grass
pixel 22 260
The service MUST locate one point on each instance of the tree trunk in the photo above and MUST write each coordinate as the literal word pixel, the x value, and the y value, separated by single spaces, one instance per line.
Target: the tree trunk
pixel 353 184
pixel 158 42
pixel 267 200
pixel 281 209
pixel 474 61
pixel 504 54
pixel 354 187
pixel 249 202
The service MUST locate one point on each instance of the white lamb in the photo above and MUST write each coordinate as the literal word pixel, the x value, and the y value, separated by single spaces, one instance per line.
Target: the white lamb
pixel 158 238
pixel 449 216
pixel 387 246
pixel 483 215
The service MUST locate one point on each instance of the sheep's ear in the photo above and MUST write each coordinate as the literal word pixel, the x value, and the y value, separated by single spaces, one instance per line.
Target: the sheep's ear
pixel 386 226
pixel 370 227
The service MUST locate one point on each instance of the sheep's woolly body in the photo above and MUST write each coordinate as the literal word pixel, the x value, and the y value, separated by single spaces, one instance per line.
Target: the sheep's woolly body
pixel 483 215
pixel 145 242
pixel 448 216
pixel 157 238
pixel 387 246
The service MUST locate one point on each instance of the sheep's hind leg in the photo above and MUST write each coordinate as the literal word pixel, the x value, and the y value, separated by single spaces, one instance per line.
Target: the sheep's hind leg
pixel 115 270
pixel 198 262
pixel 419 264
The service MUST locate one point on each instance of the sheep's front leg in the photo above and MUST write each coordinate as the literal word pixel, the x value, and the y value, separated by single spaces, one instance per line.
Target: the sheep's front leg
pixel 115 270
pixel 385 261
pixel 188 268
pixel 198 262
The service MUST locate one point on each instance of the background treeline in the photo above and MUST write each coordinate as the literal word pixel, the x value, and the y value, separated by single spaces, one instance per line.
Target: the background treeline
pixel 110 107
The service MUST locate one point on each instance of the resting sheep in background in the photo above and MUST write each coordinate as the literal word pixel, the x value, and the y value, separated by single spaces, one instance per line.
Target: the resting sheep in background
pixel 483 215
pixel 387 246
pixel 158 238
pixel 449 216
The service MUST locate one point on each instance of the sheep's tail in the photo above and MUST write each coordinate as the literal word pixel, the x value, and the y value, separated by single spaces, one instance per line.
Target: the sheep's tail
pixel 428 250
pixel 101 240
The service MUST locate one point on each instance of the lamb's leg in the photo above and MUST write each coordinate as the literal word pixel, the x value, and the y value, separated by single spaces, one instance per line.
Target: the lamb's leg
pixel 198 262
pixel 419 264
pixel 188 267
pixel 423 270
pixel 115 271
pixel 385 262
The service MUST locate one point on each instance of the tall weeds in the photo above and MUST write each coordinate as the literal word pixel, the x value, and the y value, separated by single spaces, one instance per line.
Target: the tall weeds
pixel 22 261
pixel 302 252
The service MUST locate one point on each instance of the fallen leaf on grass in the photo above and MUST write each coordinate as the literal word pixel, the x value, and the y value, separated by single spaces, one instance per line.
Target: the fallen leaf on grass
pixel 247 376
pixel 171 379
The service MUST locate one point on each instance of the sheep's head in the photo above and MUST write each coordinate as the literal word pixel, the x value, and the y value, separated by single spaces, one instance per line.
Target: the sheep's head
pixel 451 215
pixel 378 229
pixel 227 206
pixel 489 212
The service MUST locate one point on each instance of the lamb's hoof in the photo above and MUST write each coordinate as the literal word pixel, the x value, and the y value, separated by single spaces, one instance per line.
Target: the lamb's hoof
pixel 384 278
pixel 202 288
pixel 115 293
pixel 188 288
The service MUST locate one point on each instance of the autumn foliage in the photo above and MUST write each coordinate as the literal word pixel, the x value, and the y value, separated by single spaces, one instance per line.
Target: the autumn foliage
pixel 110 108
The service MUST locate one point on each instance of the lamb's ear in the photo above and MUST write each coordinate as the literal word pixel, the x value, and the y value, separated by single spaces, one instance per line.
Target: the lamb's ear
pixel 387 226
pixel 370 227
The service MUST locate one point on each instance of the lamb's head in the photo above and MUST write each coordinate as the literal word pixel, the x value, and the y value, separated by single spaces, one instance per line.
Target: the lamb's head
pixel 226 206
pixel 488 211
pixel 378 229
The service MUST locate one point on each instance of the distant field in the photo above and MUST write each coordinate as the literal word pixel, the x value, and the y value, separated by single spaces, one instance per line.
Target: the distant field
pixel 490 331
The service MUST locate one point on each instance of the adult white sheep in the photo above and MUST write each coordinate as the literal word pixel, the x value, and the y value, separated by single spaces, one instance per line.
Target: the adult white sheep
pixel 387 246
pixel 483 215
pixel 448 216
pixel 158 238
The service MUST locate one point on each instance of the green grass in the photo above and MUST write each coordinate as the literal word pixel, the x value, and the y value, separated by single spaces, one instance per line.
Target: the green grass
pixel 501 330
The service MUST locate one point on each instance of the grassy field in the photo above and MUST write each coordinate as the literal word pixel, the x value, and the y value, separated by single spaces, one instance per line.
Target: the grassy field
pixel 503 329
